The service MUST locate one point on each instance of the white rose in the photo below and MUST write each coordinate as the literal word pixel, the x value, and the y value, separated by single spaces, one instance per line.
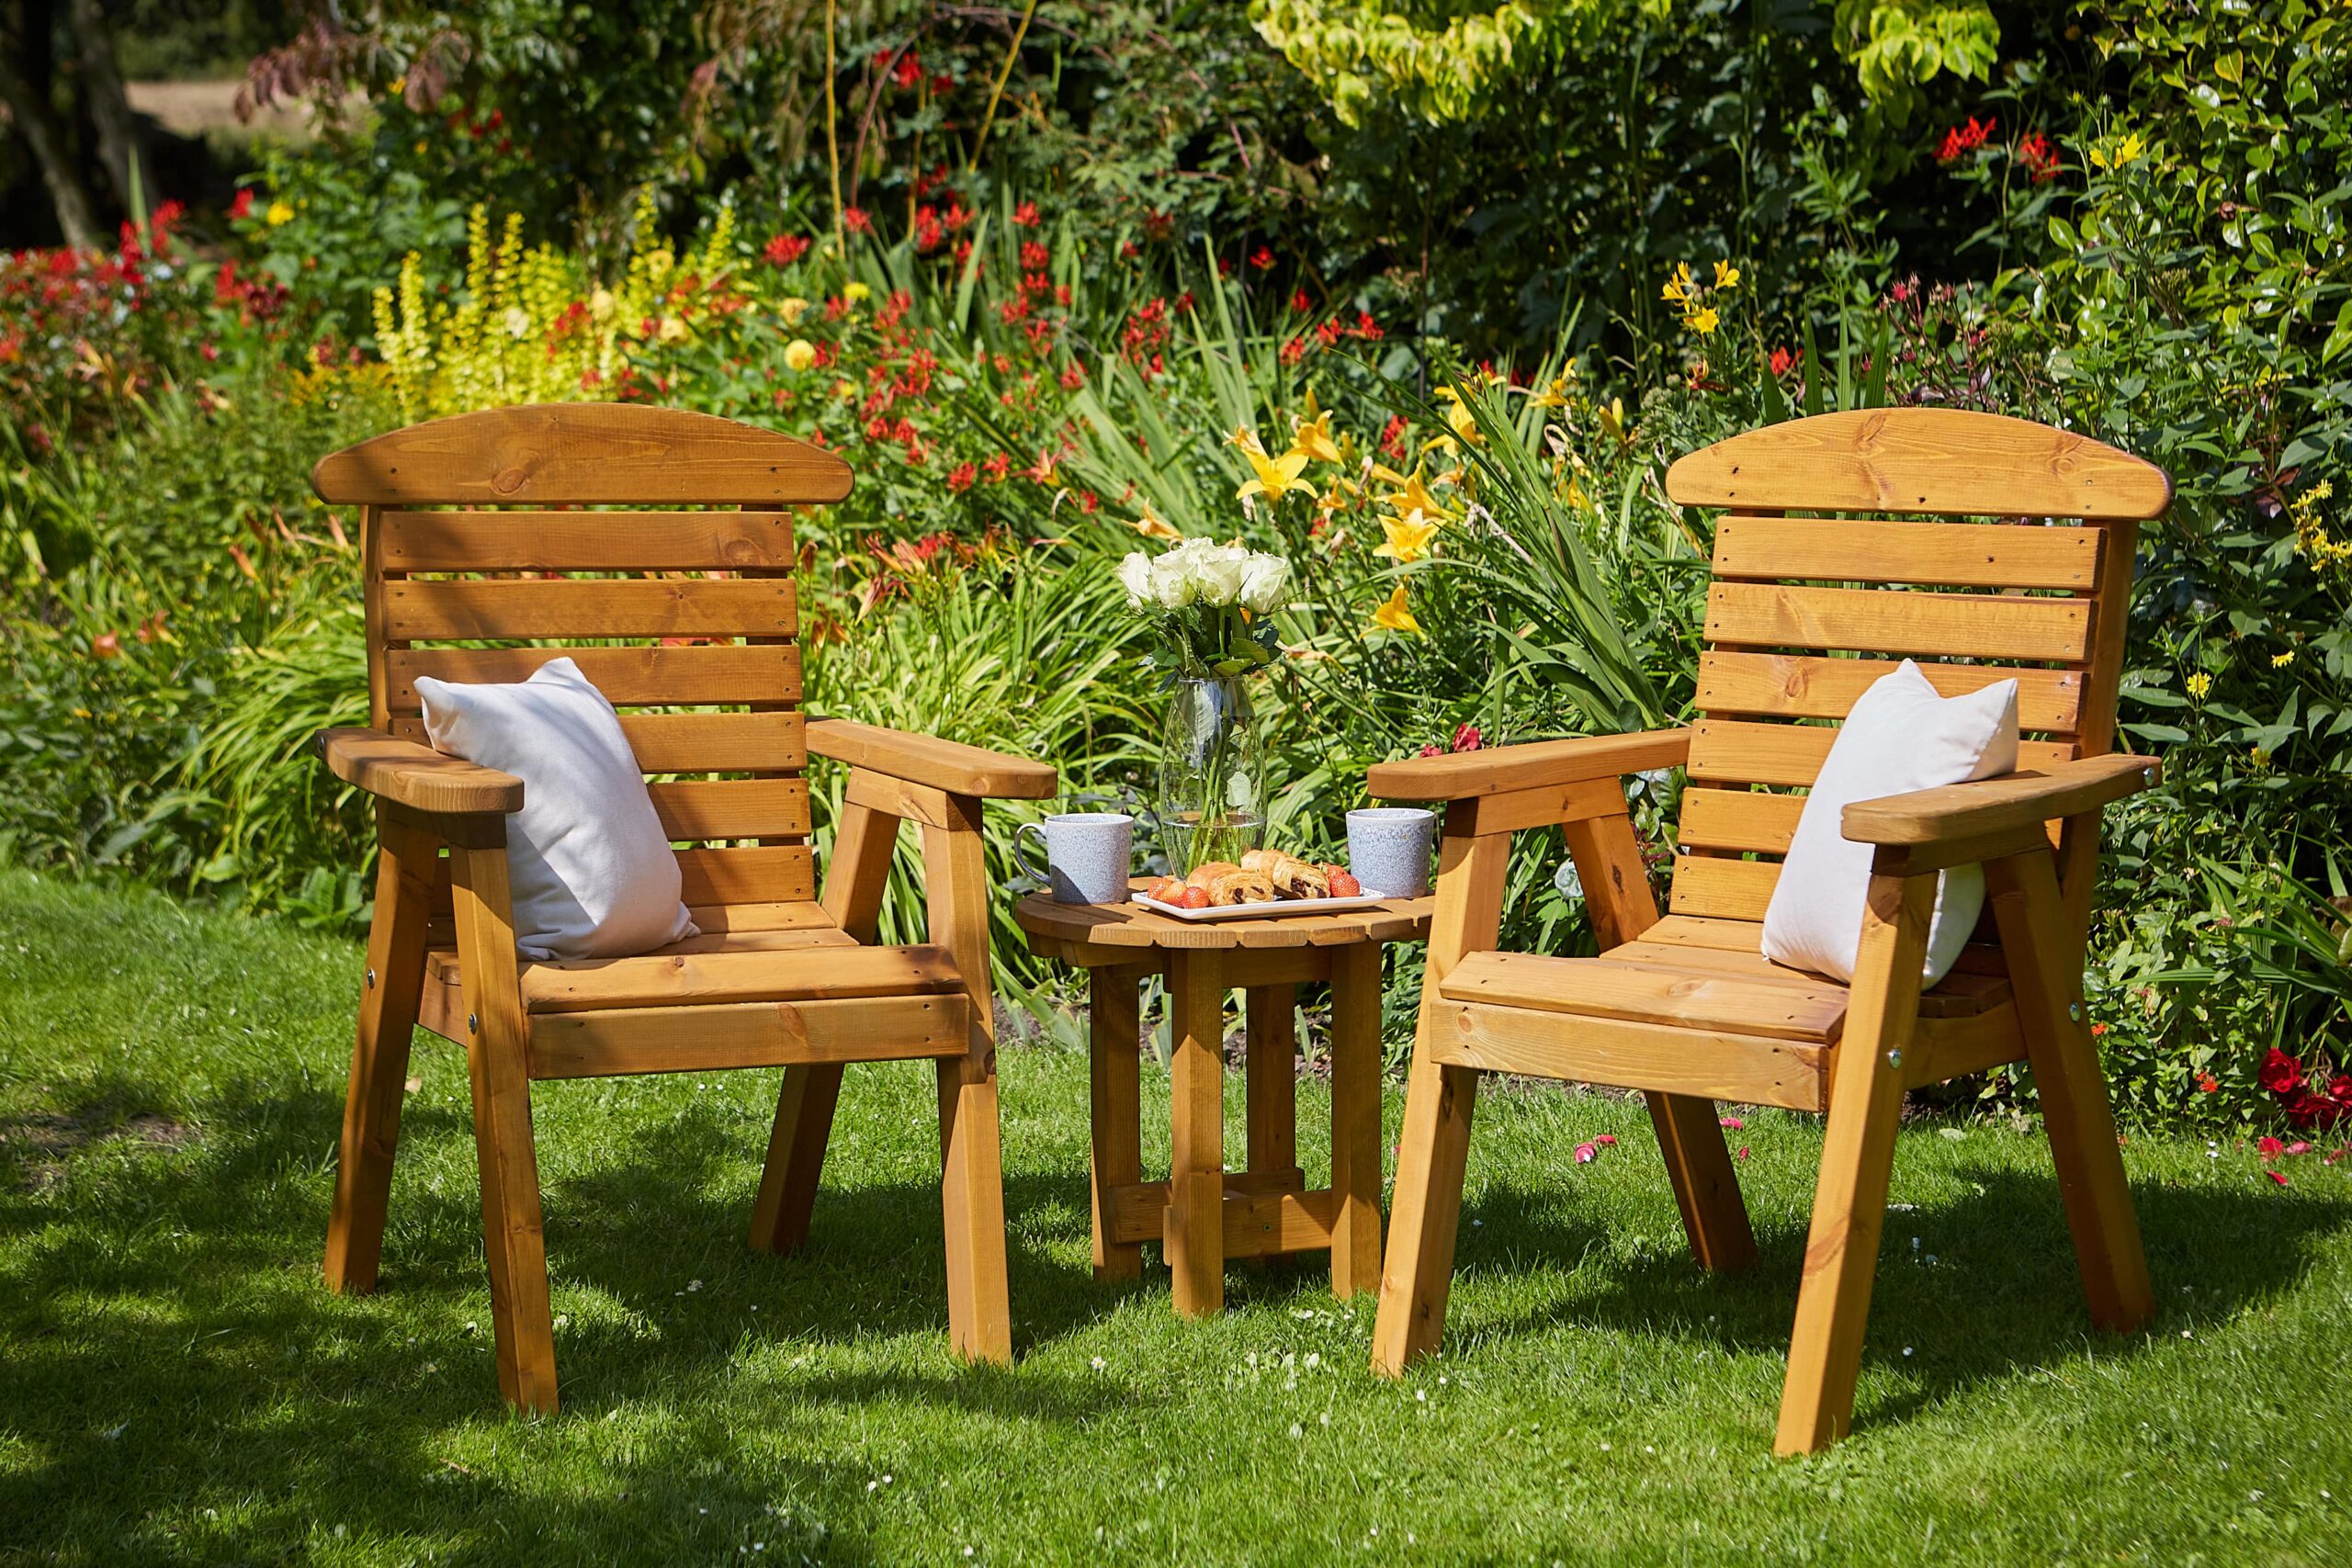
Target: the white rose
pixel 1135 576
pixel 1173 582
pixel 1220 567
pixel 1265 584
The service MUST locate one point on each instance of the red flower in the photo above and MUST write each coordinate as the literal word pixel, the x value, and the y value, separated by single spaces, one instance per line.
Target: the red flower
pixel 1586 1154
pixel 106 644
pixel 2281 1074
pixel 854 219
pixel 1785 360
pixel 785 249
pixel 909 74
pixel 997 465
pixel 2098 1029
pixel 1467 738
pixel 2277 1178
pixel 1431 750
pixel 1026 214
pixel 1263 259
pixel 2207 1083
pixel 1961 140
pixel 1035 257
pixel 243 207
pixel 963 476
pixel 1293 351
pixel 2269 1149
pixel 2041 158
pixel 1301 303
pixel 1073 376
pixel 1366 328
pixel 1392 438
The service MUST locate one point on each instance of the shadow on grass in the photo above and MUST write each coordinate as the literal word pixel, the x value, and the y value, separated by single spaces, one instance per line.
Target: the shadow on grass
pixel 1988 1280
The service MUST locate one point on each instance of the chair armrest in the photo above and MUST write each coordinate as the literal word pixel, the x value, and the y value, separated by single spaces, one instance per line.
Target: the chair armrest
pixel 1984 808
pixel 1500 769
pixel 925 760
pixel 417 776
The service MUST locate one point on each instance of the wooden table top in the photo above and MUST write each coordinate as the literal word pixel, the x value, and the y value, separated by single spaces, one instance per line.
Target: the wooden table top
pixel 1132 925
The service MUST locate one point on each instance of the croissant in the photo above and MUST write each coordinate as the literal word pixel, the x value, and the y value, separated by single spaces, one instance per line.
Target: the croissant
pixel 1263 861
pixel 1299 879
pixel 1205 874
pixel 1238 886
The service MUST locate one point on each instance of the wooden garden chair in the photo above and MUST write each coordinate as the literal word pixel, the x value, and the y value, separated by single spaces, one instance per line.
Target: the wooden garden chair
pixel 1804 612
pixel 686 621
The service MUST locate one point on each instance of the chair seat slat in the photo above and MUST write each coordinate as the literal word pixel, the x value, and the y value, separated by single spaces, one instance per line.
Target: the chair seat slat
pixel 733 808
pixel 762 874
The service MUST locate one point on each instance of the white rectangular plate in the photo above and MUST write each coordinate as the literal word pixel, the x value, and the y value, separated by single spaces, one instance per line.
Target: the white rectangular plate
pixel 1263 911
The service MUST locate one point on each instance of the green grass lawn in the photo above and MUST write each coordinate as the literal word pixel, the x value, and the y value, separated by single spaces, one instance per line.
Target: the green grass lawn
pixel 175 1384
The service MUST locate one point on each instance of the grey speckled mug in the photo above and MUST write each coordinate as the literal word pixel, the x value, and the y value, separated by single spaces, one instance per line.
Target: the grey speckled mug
pixel 1388 849
pixel 1088 855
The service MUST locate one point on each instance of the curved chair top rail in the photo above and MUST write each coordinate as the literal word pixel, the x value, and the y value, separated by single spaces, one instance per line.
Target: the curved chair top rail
pixel 1921 459
pixel 618 454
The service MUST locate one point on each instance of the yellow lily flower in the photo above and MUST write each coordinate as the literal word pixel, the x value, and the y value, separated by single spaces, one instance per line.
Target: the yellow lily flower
pixel 1678 287
pixel 1275 477
pixel 1394 616
pixel 1314 438
pixel 1554 395
pixel 1612 418
pixel 1408 537
pixel 1152 526
pixel 1727 276
pixel 1458 416
pixel 1414 497
pixel 1247 439
pixel 1703 321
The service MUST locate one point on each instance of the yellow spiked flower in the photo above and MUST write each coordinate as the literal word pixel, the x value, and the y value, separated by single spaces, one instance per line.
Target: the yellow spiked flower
pixel 1702 320
pixel 1414 497
pixel 2127 151
pixel 1459 418
pixel 1677 288
pixel 1394 616
pixel 1612 419
pixel 1151 525
pixel 1408 537
pixel 1727 276
pixel 1275 477
pixel 1554 395
pixel 2199 684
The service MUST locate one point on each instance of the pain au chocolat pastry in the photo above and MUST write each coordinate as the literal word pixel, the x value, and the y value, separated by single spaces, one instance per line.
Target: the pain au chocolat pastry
pixel 1239 887
pixel 1291 876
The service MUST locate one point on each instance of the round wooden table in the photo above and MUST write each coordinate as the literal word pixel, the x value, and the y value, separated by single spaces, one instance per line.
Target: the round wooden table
pixel 1202 1214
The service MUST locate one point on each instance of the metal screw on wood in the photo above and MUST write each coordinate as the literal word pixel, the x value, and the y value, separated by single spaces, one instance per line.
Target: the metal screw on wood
pixel 473 1025
pixel 1894 1059
pixel 371 979
pixel 2075 1011
pixel 2147 775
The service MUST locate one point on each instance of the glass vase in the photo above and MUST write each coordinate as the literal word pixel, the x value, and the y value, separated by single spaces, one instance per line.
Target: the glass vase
pixel 1211 772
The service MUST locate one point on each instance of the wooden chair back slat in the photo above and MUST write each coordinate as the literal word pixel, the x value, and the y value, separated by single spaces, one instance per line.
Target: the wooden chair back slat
pixel 1892 620
pixel 1955 555
pixel 1802 686
pixel 754 873
pixel 469 526
pixel 586 541
pixel 630 677
pixel 731 808
pixel 1791 641
pixel 1921 460
pixel 695 742
pixel 421 611
pixel 581 455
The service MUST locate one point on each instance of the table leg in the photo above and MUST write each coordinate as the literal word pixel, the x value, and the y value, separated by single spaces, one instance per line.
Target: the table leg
pixel 1272 1081
pixel 1355 1118
pixel 1195 1224
pixel 1112 1017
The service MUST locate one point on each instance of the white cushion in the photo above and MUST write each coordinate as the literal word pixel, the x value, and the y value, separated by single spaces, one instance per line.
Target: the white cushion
pixel 591 874
pixel 1900 737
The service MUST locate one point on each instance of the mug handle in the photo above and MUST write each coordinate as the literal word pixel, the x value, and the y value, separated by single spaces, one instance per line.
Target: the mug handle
pixel 1035 873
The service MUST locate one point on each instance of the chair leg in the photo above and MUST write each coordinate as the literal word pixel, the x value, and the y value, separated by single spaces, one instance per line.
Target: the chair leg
pixel 513 1232
pixel 804 1121
pixel 1617 895
pixel 1857 1159
pixel 387 1007
pixel 1355 1118
pixel 2045 970
pixel 979 1310
pixel 1193 1229
pixel 864 839
pixel 1433 1152
pixel 1705 1186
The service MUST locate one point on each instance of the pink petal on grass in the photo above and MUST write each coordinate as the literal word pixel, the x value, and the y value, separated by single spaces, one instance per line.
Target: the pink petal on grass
pixel 2279 1177
pixel 1743 1150
pixel 1609 1140
pixel 1734 1122
pixel 2299 1147
pixel 1586 1153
